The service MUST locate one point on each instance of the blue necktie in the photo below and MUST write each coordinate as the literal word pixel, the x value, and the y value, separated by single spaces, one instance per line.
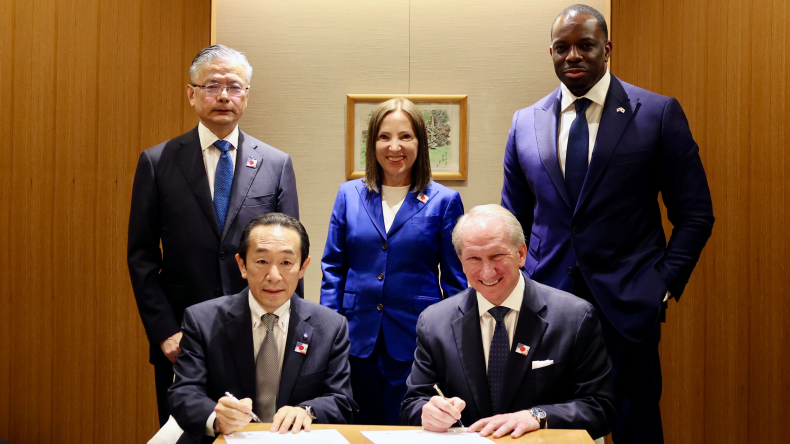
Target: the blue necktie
pixel 497 356
pixel 223 179
pixel 578 152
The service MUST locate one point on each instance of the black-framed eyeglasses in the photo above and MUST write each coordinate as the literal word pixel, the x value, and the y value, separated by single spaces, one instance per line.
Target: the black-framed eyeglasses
pixel 215 89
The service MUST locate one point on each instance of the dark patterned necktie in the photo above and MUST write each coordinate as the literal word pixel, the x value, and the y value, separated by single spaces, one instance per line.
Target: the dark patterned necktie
pixel 267 372
pixel 497 356
pixel 223 179
pixel 578 152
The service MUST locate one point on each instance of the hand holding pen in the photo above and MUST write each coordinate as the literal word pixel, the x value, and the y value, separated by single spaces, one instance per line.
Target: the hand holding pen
pixel 252 414
pixel 440 413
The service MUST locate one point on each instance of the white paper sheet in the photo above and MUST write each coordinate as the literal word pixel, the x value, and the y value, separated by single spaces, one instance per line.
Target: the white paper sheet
pixel 452 436
pixel 323 436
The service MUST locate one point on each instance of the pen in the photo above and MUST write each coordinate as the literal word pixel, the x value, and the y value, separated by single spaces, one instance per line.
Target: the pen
pixel 442 395
pixel 254 416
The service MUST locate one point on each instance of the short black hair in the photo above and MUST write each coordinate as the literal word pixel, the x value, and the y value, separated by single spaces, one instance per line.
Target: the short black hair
pixel 584 9
pixel 278 220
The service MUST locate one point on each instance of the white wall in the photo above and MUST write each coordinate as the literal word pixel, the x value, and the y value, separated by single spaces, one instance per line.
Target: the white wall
pixel 308 54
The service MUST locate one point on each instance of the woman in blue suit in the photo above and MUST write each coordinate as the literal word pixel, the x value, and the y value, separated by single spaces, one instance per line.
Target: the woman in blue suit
pixel 389 238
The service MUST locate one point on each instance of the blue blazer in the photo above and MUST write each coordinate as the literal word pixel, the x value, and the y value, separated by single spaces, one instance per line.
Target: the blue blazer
pixel 576 391
pixel 383 280
pixel 644 147
pixel 217 355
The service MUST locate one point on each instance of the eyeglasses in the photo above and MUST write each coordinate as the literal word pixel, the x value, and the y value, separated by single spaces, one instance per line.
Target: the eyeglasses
pixel 215 89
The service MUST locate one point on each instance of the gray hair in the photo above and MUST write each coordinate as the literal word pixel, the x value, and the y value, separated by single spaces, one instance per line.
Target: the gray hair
pixel 491 211
pixel 219 52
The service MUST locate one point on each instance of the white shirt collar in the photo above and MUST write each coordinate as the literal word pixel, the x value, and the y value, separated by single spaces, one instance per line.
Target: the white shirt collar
pixel 596 94
pixel 207 138
pixel 257 312
pixel 512 302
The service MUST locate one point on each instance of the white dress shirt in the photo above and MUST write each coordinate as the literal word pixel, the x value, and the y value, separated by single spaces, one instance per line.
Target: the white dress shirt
pixel 211 153
pixel 391 200
pixel 597 95
pixel 258 335
pixel 487 321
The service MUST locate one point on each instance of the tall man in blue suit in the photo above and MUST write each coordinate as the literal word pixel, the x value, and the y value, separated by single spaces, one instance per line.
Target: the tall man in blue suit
pixel 193 195
pixel 583 170
pixel 286 358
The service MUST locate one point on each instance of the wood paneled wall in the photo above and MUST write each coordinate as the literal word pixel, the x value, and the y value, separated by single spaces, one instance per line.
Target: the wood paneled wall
pixel 85 86
pixel 726 346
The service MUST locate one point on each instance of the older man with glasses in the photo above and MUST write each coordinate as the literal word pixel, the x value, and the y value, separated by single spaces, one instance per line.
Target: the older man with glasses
pixel 192 197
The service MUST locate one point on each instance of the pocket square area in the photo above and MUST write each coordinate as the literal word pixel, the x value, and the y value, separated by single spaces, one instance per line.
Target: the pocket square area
pixel 541 364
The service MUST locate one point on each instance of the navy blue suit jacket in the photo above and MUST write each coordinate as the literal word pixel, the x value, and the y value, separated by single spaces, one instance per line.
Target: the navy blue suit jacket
pixel 365 266
pixel 576 391
pixel 171 203
pixel 217 356
pixel 644 147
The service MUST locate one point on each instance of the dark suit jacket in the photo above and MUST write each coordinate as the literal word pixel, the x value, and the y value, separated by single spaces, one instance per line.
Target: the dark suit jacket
pixel 576 391
pixel 644 147
pixel 217 356
pixel 171 203
pixel 408 258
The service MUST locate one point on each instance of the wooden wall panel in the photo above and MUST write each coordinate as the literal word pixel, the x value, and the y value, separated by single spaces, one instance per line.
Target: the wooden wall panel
pixel 88 84
pixel 724 347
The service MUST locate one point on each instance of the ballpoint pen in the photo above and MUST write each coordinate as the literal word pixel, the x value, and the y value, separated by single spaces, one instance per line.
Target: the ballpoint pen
pixel 442 395
pixel 254 416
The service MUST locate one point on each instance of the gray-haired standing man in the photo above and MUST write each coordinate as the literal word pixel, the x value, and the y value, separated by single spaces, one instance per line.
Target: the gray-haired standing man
pixel 193 195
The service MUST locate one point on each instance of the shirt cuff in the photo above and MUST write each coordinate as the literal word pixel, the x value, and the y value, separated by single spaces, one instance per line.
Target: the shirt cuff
pixel 667 296
pixel 210 424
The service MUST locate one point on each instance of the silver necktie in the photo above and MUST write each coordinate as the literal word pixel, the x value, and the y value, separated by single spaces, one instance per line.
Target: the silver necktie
pixel 267 372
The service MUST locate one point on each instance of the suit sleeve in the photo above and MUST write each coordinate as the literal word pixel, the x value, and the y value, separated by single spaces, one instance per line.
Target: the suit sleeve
pixel 589 384
pixel 287 200
pixel 144 257
pixel 188 398
pixel 334 264
pixel 452 274
pixel 337 405
pixel 516 194
pixel 419 385
pixel 685 192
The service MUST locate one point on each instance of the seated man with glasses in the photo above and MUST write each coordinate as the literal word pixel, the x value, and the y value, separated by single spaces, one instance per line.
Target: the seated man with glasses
pixel 192 197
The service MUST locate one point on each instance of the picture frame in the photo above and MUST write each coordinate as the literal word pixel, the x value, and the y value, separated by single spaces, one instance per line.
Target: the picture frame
pixel 446 122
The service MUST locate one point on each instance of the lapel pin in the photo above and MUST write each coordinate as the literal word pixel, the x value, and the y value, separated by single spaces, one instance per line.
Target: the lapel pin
pixel 304 335
pixel 621 110
pixel 301 348
pixel 522 349
pixel 252 162
pixel 422 198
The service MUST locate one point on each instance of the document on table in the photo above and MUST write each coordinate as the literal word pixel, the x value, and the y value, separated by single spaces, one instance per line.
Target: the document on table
pixel 452 436
pixel 323 436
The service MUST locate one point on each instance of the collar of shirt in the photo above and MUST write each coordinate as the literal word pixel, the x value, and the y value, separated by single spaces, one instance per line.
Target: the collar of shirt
pixel 207 138
pixel 596 94
pixel 283 312
pixel 513 302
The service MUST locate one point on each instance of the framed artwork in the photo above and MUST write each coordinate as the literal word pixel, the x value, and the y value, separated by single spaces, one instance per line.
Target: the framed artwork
pixel 445 122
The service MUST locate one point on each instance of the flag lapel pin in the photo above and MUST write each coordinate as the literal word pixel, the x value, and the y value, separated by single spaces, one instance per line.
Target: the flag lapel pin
pixel 621 110
pixel 301 348
pixel 522 349
pixel 252 162
pixel 422 198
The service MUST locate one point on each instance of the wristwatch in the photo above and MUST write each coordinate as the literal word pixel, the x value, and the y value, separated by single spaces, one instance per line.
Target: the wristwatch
pixel 309 410
pixel 540 416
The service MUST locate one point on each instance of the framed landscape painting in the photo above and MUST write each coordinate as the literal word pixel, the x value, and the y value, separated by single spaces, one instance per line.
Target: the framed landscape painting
pixel 445 123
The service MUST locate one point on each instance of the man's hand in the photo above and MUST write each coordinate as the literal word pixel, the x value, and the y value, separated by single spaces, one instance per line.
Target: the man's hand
pixel 232 415
pixel 440 414
pixel 289 416
pixel 500 425
pixel 170 346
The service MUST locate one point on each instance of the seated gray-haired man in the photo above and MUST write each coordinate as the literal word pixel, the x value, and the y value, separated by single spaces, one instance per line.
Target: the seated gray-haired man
pixel 285 358
pixel 513 355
